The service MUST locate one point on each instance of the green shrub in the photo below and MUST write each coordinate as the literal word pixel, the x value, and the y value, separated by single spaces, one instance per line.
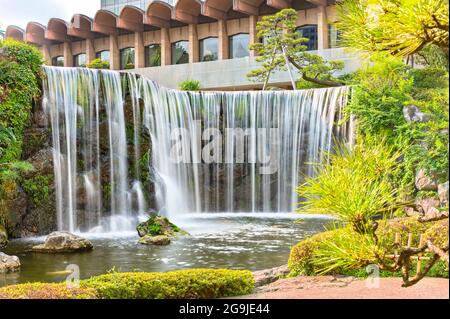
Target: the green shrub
pixel 183 284
pixel 304 255
pixel 98 64
pixel 46 291
pixel 190 85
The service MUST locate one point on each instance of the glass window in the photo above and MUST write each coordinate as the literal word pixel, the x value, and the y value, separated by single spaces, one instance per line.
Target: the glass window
pixel 153 55
pixel 209 49
pixel 180 52
pixel 79 60
pixel 103 55
pixel 239 45
pixel 334 36
pixel 58 61
pixel 127 58
pixel 309 32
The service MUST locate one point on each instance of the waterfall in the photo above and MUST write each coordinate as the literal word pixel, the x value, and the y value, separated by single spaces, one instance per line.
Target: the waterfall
pixel 123 144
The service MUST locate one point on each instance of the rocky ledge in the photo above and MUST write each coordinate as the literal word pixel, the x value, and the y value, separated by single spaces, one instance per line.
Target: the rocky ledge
pixel 158 231
pixel 9 263
pixel 63 242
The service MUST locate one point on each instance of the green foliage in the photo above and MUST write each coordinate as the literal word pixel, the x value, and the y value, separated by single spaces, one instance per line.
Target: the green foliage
pixel 281 43
pixel 184 284
pixel 38 188
pixel 399 27
pixel 155 229
pixel 382 89
pixel 46 291
pixel 98 64
pixel 344 252
pixel 353 185
pixel 190 85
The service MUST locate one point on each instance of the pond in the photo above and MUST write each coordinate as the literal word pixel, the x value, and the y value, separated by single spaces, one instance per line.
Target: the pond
pixel 236 241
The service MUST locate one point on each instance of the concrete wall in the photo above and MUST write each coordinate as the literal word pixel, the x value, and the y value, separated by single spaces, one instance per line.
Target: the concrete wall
pixel 232 74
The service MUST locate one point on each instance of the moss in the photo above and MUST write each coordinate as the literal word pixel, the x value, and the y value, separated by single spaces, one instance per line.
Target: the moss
pixel 39 189
pixel 183 284
pixel 302 255
pixel 158 225
pixel 46 291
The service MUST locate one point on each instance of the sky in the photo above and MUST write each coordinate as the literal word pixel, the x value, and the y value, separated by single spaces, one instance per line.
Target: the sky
pixel 20 12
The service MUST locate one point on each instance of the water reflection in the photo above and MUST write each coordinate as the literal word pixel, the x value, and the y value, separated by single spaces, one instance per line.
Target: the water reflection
pixel 237 241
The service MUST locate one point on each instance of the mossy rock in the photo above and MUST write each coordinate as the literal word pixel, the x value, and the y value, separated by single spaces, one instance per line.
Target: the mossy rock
pixel 302 255
pixel 159 226
pixel 160 240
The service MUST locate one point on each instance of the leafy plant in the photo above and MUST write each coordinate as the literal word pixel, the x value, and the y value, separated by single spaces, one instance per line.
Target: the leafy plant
pixel 98 64
pixel 190 85
pixel 399 27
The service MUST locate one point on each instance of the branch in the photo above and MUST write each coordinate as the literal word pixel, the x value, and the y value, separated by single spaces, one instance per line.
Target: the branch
pixel 442 253
pixel 313 80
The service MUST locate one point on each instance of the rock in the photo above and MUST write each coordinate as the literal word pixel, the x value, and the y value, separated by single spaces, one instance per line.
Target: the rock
pixel 426 204
pixel 443 193
pixel 268 276
pixel 9 263
pixel 63 242
pixel 3 237
pixel 412 113
pixel 160 240
pixel 42 163
pixel 158 225
pixel 425 183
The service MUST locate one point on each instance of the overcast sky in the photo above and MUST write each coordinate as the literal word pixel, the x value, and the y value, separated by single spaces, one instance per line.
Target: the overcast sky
pixel 20 12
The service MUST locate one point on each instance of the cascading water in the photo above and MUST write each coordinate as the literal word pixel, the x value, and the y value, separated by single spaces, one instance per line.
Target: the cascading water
pixel 180 152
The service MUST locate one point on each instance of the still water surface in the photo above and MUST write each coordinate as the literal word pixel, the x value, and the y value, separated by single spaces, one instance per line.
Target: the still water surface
pixel 236 241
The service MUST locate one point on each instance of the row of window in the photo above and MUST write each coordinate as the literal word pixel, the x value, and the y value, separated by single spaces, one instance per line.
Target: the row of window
pixel 209 49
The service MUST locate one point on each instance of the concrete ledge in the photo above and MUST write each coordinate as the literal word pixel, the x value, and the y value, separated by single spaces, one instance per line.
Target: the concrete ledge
pixel 232 74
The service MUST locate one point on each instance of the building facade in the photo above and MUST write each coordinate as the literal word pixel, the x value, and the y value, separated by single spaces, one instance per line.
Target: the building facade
pixel 117 5
pixel 206 40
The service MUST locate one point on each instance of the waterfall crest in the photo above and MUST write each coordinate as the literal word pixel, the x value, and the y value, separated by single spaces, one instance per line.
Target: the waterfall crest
pixel 123 144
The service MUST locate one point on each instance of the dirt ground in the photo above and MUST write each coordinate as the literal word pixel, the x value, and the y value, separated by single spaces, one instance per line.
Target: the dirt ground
pixel 329 287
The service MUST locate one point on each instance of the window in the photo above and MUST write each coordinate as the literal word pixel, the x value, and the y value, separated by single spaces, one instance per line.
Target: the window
pixel 103 55
pixel 127 58
pixel 309 32
pixel 79 60
pixel 334 36
pixel 239 45
pixel 153 55
pixel 209 49
pixel 58 61
pixel 180 52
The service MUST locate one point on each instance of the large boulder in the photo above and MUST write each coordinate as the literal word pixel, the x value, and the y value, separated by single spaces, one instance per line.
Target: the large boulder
pixel 9 263
pixel 425 182
pixel 3 237
pixel 63 242
pixel 443 193
pixel 427 205
pixel 155 240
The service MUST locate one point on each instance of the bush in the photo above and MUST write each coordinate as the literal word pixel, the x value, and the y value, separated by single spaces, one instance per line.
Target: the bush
pixel 98 64
pixel 184 284
pixel 303 257
pixel 190 85
pixel 46 291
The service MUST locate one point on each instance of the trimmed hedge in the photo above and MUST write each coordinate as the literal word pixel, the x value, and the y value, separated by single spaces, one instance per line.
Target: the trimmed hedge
pixel 183 284
pixel 46 291
pixel 302 254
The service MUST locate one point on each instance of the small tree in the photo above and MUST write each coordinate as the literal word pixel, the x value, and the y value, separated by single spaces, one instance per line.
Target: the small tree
pixel 283 47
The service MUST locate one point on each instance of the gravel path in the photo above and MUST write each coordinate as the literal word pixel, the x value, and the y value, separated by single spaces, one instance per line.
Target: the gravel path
pixel 329 287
